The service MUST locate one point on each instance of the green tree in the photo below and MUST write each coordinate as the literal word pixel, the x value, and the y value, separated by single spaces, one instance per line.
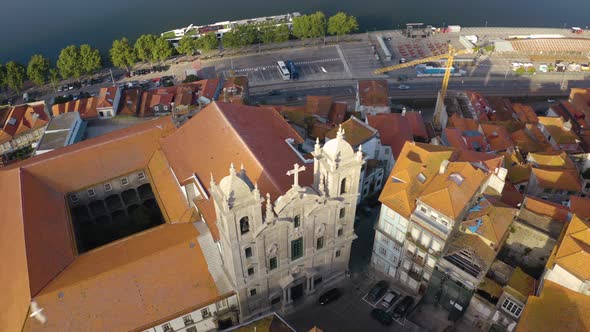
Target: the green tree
pixel 162 50
pixel 274 33
pixel 15 76
pixel 208 42
pixel 342 24
pixel 54 77
pixel 317 25
pixel 2 76
pixel 188 45
pixel 301 26
pixel 37 69
pixel 91 60
pixel 240 36
pixel 144 46
pixel 122 54
pixel 69 62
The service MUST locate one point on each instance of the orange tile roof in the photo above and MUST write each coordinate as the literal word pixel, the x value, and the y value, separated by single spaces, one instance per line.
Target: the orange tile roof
pixel 488 162
pixel 319 105
pixel 130 100
pixel 454 138
pixel 551 159
pixel 526 142
pixel 85 163
pixel 222 133
pixel 206 208
pixel 402 187
pixel 491 222
pixel 511 196
pixel 536 133
pixel 172 201
pixel 564 179
pixel 450 193
pixel 547 208
pixel 209 87
pixel 357 132
pixel 501 109
pixel 520 285
pixel 106 97
pixel 580 206
pixel 86 107
pixel 525 113
pixel 337 112
pixel 14 276
pixel 19 119
pixel 555 127
pixel 573 253
pixel 373 92
pixel 518 170
pixel 144 278
pixel 417 123
pixel 556 309
pixel 497 136
pixel 394 130
pixel 464 124
pixel 580 99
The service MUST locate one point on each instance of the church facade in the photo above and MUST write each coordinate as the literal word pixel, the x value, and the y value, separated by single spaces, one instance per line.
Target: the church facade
pixel 277 251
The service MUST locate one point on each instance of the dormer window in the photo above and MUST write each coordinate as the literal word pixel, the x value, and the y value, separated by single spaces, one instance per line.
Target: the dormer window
pixel 343 186
pixel 108 187
pixel 91 192
pixel 421 177
pixel 73 198
pixel 141 176
pixel 244 225
pixel 124 181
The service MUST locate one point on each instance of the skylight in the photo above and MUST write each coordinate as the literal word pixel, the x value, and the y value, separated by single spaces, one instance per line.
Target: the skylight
pixel 457 178
pixel 421 177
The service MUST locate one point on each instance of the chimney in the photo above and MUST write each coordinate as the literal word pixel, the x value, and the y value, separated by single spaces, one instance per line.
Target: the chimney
pixel 443 167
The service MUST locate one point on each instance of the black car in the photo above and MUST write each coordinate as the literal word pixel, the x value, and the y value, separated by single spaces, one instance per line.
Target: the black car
pixel 274 92
pixel 329 296
pixel 402 308
pixel 377 291
pixel 382 316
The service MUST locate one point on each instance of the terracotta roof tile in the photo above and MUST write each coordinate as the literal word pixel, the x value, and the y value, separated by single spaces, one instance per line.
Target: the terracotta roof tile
pixel 488 162
pixel 555 126
pixel 418 126
pixel 206 208
pixel 86 107
pixel 556 309
pixel 337 112
pixel 547 208
pixel 464 124
pixel 450 192
pixel 518 170
pixel 580 206
pixel 461 241
pixel 222 133
pixel 573 253
pixel 106 97
pixel 394 130
pixel 566 179
pixel 76 300
pixel 497 136
pixel 490 220
pixel 319 105
pixel 130 101
pixel 520 285
pixel 357 132
pixel 551 159
pixel 373 93
pixel 525 113
pixel 403 187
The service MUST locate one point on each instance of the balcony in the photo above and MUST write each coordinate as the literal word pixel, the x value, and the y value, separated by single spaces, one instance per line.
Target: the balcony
pixel 416 275
pixel 427 223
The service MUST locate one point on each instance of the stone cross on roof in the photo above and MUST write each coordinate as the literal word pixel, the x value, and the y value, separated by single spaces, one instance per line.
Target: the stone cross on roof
pixel 296 172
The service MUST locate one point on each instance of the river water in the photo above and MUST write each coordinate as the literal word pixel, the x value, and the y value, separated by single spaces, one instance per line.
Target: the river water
pixel 41 26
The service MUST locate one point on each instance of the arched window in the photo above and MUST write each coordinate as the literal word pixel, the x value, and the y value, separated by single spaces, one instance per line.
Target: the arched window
pixel 244 225
pixel 296 221
pixel 343 186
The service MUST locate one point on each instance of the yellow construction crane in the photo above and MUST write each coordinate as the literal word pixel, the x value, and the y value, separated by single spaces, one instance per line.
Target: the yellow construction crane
pixel 443 91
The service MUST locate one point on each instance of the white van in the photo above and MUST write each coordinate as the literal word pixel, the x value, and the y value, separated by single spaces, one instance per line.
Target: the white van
pixel 389 299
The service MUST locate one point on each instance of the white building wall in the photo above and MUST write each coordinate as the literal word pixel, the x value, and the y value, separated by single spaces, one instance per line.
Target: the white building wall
pixel 563 277
pixel 390 235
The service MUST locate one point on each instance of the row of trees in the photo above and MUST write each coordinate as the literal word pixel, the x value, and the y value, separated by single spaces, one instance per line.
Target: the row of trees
pixel 74 61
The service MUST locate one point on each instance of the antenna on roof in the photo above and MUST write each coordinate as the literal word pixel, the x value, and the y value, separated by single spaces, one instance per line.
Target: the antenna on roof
pixel 36 312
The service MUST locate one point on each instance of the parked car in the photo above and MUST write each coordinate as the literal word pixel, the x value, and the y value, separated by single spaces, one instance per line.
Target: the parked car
pixel 382 316
pixel 329 296
pixel 377 291
pixel 402 60
pixel 60 88
pixel 70 87
pixel 404 87
pixel 389 299
pixel 402 308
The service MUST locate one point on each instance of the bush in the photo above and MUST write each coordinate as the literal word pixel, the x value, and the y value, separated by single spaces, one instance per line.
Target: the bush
pixel 520 71
pixel 190 78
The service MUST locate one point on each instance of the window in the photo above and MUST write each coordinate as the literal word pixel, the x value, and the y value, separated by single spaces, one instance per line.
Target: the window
pixel 275 300
pixel 141 176
pixel 191 329
pixel 319 244
pixel 337 253
pixel 433 217
pixel 244 225
pixel 73 198
pixel 108 187
pixel 340 232
pixel 513 308
pixel 91 192
pixel 248 252
pixel 296 221
pixel 124 181
pixel 387 228
pixel 101 113
pixel 436 246
pixel 188 320
pixel 587 186
pixel 250 271
pixel 166 327
pixel 205 313
pixel 342 213
pixel 343 186
pixel 430 261
pixel 296 249
pixel 253 292
pixel 272 263
pixel 423 209
pixel 415 233
pixel 382 251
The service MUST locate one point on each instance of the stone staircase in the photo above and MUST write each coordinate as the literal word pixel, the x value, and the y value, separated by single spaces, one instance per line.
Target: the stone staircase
pixel 213 257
